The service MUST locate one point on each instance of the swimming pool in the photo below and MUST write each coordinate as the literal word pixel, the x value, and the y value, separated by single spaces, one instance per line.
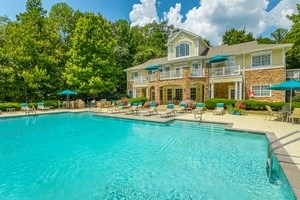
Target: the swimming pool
pixel 82 156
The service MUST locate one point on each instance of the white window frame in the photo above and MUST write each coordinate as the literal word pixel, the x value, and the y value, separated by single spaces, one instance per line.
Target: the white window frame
pixel 199 67
pixel 260 90
pixel 132 77
pixel 186 53
pixel 261 54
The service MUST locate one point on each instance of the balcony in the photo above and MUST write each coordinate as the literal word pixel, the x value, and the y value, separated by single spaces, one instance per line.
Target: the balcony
pixel 293 74
pixel 225 71
pixel 171 75
pixel 152 77
pixel 140 80
pixel 196 73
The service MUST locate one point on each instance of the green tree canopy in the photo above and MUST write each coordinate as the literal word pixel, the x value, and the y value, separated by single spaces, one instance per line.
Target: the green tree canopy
pixel 234 36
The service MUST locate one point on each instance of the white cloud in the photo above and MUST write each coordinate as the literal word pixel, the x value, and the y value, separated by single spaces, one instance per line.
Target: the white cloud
pixel 173 16
pixel 277 16
pixel 213 17
pixel 143 13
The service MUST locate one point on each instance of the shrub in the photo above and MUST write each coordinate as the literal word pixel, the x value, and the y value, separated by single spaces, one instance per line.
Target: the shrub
pixel 296 98
pixel 211 103
pixel 4 106
pixel 138 99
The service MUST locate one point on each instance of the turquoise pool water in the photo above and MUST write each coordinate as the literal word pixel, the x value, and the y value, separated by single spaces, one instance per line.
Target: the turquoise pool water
pixel 82 156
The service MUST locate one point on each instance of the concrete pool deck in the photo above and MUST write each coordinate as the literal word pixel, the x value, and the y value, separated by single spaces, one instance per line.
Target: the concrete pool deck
pixel 288 156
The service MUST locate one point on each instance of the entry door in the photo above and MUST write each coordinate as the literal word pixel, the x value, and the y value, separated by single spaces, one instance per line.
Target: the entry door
pixel 231 93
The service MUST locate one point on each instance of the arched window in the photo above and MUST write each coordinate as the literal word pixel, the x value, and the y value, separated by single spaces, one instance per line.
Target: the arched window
pixel 182 50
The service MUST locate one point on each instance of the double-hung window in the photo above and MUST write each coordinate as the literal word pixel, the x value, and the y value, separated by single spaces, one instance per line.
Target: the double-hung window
pixel 193 94
pixel 261 59
pixel 261 90
pixel 134 75
pixel 182 49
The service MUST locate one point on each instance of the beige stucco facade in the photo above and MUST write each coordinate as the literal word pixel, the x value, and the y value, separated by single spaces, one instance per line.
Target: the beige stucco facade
pixel 188 74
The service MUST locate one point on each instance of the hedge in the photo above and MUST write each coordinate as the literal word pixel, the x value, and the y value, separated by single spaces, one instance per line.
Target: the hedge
pixel 17 106
pixel 250 104
pixel 138 99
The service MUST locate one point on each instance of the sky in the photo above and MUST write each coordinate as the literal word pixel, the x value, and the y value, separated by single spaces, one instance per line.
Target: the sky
pixel 207 18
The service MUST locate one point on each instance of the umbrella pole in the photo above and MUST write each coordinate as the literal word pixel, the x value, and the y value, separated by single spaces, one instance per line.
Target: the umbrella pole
pixel 68 101
pixel 291 99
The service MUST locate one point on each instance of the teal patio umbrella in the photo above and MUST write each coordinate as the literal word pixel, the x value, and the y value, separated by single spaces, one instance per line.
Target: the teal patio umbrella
pixel 217 58
pixel 287 85
pixel 68 93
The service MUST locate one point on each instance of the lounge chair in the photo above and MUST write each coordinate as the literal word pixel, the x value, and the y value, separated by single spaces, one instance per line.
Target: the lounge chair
pixel 295 115
pixel 182 108
pixel 117 109
pixel 133 109
pixel 219 110
pixel 27 109
pixel 198 111
pixel 271 113
pixel 151 111
pixel 40 106
pixel 169 112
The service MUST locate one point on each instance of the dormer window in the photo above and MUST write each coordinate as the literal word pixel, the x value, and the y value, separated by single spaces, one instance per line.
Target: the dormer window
pixel 182 49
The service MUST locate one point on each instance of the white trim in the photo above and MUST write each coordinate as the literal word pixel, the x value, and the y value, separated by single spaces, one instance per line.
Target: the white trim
pixel 260 54
pixel 230 87
pixel 260 68
pixel 182 42
pixel 260 90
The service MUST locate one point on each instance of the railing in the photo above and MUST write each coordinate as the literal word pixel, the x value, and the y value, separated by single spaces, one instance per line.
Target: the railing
pixel 140 79
pixel 293 74
pixel 171 74
pixel 152 77
pixel 271 150
pixel 196 73
pixel 225 71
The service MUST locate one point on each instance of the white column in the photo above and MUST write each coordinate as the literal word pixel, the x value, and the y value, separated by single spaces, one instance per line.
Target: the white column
pixel 134 93
pixel 240 90
pixel 212 91
pixel 147 92
pixel 236 90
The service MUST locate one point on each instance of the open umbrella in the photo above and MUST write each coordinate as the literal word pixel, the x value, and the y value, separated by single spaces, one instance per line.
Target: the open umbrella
pixel 68 93
pixel 287 85
pixel 217 58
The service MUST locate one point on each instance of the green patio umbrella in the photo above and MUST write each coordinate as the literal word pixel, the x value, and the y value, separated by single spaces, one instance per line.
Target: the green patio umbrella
pixel 68 93
pixel 287 85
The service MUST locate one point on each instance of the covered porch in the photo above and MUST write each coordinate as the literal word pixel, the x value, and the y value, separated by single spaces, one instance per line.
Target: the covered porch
pixel 228 88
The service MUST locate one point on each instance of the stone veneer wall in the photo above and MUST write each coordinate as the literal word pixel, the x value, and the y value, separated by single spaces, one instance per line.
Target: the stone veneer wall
pixel 265 77
pixel 221 89
pixel 184 82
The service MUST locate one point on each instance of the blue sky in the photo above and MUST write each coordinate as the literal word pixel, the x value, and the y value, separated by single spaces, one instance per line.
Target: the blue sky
pixel 208 18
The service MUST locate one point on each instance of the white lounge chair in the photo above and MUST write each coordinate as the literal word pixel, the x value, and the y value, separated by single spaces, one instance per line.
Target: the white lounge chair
pixel 151 111
pixel 169 112
pixel 27 109
pixel 198 111
pixel 40 106
pixel 219 110
pixel 133 109
pixel 182 108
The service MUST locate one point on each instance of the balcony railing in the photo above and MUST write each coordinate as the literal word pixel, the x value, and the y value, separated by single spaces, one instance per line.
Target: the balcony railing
pixel 225 71
pixel 140 80
pixel 293 74
pixel 196 73
pixel 171 74
pixel 152 77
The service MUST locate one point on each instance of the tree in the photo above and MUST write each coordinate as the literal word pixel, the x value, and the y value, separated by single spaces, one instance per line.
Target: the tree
pixel 293 55
pixel 265 40
pixel 234 36
pixel 91 68
pixel 279 35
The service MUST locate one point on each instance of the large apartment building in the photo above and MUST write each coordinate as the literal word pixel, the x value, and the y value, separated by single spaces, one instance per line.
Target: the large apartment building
pixel 193 70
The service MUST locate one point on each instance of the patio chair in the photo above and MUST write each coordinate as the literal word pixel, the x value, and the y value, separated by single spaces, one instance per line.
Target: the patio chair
pixel 168 112
pixel 117 109
pixel 27 109
pixel 285 112
pixel 133 109
pixel 182 108
pixel 199 110
pixel 295 115
pixel 40 106
pixel 151 111
pixel 219 110
pixel 271 113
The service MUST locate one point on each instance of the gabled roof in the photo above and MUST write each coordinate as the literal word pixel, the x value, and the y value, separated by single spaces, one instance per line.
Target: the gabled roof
pixel 157 61
pixel 246 47
pixel 182 31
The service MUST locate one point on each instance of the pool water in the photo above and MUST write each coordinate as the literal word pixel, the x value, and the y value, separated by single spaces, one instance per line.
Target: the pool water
pixel 83 156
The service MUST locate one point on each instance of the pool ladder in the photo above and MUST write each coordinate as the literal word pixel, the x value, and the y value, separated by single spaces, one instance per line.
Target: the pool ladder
pixel 272 150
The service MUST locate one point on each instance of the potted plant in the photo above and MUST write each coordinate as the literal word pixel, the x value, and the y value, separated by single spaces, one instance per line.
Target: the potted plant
pixel 230 109
pixel 239 108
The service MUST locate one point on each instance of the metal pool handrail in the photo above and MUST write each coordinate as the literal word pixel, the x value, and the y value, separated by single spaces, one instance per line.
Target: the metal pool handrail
pixel 271 150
